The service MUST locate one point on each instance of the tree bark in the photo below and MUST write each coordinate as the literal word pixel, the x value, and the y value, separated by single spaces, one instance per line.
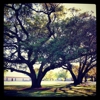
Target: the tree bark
pixel 78 81
pixel 73 76
pixel 35 83
pixel 85 79
pixel 34 80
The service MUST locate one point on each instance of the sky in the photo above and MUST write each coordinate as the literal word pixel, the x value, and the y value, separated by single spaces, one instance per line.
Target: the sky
pixel 83 7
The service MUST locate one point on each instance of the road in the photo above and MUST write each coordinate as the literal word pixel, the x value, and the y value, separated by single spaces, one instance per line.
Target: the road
pixel 91 83
pixel 42 83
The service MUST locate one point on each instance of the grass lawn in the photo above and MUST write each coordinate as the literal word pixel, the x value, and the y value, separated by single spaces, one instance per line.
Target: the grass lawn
pixel 61 90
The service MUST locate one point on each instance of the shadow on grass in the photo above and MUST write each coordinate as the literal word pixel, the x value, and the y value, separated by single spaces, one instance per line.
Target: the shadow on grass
pixel 35 89
pixel 71 89
pixel 10 93
pixel 69 85
pixel 50 91
pixel 84 93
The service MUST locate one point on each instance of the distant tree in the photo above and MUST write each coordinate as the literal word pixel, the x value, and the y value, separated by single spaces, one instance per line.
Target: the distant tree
pixel 92 74
pixel 62 74
pixel 50 75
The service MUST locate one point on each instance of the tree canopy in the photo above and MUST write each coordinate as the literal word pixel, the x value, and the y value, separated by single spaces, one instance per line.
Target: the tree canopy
pixel 36 33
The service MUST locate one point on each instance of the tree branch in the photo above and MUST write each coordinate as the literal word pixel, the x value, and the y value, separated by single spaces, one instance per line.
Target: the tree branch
pixel 19 53
pixel 10 45
pixel 14 33
pixel 84 63
pixel 34 60
pixel 20 23
pixel 20 71
pixel 35 10
pixel 9 6
pixel 15 61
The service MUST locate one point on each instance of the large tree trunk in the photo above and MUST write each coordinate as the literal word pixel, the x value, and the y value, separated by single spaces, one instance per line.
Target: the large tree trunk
pixel 86 77
pixel 91 78
pixel 78 80
pixel 73 75
pixel 36 82
pixel 94 78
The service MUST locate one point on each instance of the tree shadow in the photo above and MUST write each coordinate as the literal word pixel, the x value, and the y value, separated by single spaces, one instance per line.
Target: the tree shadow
pixel 81 92
pixel 69 85
pixel 55 90
pixel 78 92
pixel 10 93
pixel 35 89
pixel 61 89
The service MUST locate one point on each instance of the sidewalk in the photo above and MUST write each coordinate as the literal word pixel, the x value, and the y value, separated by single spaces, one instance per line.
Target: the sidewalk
pixel 91 83
pixel 88 83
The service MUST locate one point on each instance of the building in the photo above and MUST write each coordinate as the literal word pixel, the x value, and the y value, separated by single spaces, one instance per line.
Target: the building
pixel 13 78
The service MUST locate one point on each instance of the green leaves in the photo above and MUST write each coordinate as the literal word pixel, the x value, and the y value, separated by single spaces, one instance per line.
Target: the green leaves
pixel 71 35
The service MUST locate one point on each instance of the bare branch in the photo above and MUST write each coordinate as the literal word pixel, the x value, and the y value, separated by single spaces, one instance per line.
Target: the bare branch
pixel 15 61
pixel 35 10
pixel 10 45
pixel 9 35
pixel 14 33
pixel 9 7
pixel 20 71
pixel 21 24
pixel 34 60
